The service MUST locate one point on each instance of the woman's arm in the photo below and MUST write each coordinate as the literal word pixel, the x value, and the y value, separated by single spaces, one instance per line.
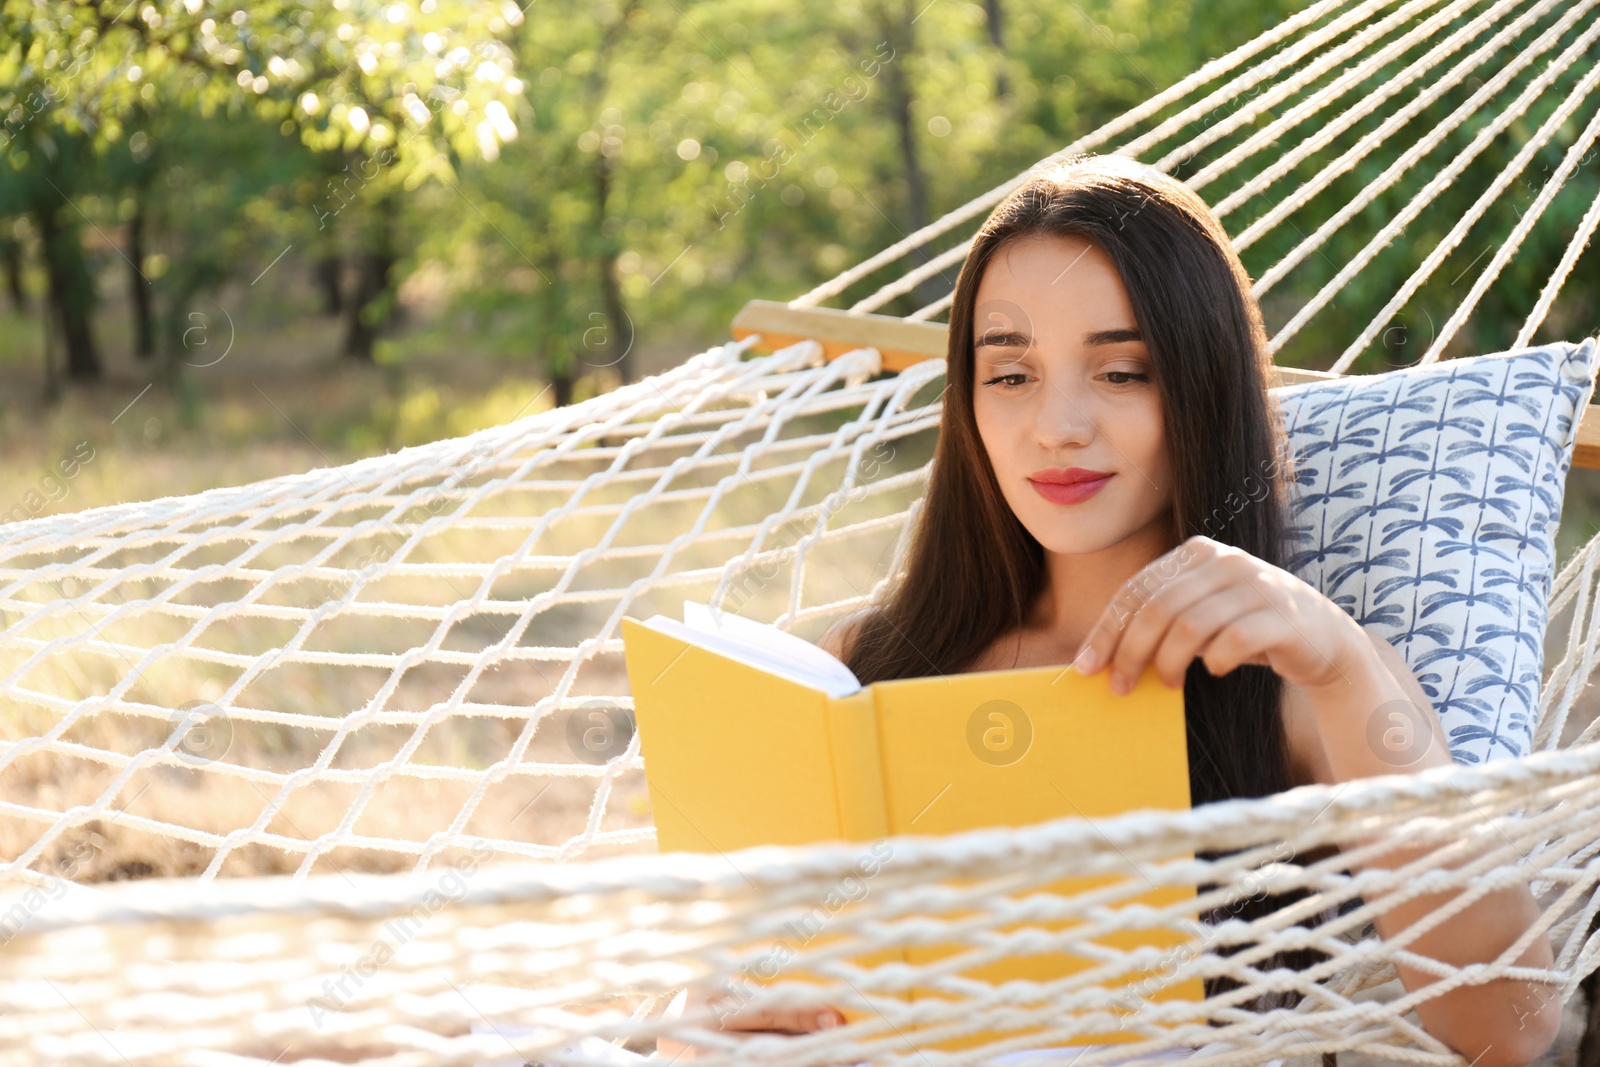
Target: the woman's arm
pixel 1211 601
pixel 1501 1023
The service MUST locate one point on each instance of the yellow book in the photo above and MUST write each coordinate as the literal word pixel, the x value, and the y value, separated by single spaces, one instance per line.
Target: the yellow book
pixel 754 736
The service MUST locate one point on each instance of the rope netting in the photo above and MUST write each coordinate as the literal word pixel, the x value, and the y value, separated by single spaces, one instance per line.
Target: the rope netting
pixel 363 692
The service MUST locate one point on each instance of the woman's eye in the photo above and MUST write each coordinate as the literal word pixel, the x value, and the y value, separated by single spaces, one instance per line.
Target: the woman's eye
pixel 1127 374
pixel 1007 379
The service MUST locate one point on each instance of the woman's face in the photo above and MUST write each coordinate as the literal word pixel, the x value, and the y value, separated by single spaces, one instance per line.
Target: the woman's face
pixel 1063 381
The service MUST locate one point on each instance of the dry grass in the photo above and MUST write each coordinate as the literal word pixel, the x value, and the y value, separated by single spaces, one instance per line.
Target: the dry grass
pixel 284 414
pixel 281 402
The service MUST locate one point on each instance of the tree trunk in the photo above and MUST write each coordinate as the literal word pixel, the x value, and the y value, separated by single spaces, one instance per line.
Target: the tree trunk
pixel 328 270
pixel 617 348
pixel 71 297
pixel 562 382
pixel 618 326
pixel 557 357
pixel 368 311
pixel 183 287
pixel 916 187
pixel 365 308
pixel 52 380
pixel 899 30
pixel 997 37
pixel 11 262
pixel 329 265
pixel 144 326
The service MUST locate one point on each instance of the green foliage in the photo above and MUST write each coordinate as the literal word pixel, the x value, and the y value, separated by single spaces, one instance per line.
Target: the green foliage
pixel 430 82
pixel 586 180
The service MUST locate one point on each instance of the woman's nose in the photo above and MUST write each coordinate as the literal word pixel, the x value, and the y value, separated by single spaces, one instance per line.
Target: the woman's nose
pixel 1063 417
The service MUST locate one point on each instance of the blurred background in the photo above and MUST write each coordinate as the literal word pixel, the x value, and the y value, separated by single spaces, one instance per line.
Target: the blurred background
pixel 245 239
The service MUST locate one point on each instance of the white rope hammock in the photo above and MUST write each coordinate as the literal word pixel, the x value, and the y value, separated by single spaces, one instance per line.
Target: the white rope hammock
pixel 366 679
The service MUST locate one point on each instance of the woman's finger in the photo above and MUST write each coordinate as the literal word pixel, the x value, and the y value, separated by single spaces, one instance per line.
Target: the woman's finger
pixel 1159 603
pixel 1198 625
pixel 796 1020
pixel 766 1020
pixel 1103 643
pixel 1245 639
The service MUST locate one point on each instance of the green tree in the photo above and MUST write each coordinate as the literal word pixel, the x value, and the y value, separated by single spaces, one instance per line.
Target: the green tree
pixel 412 89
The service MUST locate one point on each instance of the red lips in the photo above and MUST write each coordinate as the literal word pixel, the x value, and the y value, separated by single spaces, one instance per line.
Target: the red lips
pixel 1067 475
pixel 1073 485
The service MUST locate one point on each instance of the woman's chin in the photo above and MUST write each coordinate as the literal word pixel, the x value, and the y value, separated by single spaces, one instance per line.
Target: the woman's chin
pixel 1074 543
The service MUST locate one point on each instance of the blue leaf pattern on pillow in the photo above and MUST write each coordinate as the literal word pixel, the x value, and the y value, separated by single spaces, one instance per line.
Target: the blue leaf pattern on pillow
pixel 1424 503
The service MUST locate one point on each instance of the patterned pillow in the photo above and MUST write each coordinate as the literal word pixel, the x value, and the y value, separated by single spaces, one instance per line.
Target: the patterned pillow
pixel 1424 502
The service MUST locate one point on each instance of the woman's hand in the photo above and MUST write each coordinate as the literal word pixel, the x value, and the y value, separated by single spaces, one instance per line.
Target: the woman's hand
pixel 766 1021
pixel 1219 603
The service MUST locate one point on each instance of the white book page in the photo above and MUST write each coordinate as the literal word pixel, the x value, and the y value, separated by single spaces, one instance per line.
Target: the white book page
pixel 759 645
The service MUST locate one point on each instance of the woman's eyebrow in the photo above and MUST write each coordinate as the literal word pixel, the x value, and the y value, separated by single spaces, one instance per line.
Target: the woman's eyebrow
pixel 1004 339
pixel 1018 339
pixel 1112 337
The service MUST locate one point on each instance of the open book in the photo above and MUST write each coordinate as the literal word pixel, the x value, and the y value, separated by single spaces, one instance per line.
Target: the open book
pixel 755 736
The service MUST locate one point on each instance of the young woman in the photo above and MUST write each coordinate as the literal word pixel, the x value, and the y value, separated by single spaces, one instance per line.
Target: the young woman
pixel 1106 400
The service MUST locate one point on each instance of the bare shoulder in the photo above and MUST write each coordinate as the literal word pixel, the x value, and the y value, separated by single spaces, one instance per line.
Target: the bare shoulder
pixel 841 636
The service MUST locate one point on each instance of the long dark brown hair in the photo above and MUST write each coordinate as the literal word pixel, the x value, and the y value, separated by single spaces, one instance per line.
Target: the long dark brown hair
pixel 974 571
